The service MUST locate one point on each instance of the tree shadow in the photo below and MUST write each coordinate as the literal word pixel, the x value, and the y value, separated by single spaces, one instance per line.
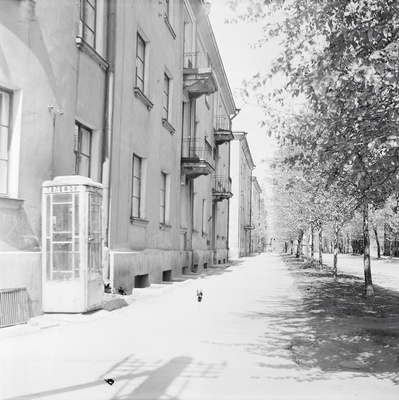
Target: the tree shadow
pixel 334 328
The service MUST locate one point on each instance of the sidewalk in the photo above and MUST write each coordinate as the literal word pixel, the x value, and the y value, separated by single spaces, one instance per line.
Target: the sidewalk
pixel 246 340
pixel 385 272
pixel 112 302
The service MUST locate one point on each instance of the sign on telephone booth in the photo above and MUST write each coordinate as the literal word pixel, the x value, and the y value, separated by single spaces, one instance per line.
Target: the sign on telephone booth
pixel 72 245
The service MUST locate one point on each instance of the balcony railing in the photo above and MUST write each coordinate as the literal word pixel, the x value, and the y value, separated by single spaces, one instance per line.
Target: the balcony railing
pixel 197 60
pixel 222 129
pixel 221 188
pixel 199 77
pixel 196 157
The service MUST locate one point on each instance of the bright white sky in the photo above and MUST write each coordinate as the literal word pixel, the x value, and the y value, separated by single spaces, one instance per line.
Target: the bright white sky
pixel 241 62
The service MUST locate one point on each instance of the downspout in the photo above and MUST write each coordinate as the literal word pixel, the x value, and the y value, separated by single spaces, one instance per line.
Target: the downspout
pixel 250 217
pixel 107 138
pixel 237 111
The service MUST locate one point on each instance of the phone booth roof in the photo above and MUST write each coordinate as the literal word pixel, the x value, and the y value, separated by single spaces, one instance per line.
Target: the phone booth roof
pixel 72 180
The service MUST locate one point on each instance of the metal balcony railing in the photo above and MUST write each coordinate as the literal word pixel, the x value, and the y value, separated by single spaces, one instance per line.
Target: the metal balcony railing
pixel 196 148
pixel 222 184
pixel 197 60
pixel 222 123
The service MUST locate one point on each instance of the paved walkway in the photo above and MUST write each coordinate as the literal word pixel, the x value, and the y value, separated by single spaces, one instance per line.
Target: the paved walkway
pixel 235 344
pixel 385 272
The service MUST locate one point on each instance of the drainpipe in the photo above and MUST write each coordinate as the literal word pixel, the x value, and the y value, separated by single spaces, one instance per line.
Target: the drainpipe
pixel 250 216
pixel 236 112
pixel 107 138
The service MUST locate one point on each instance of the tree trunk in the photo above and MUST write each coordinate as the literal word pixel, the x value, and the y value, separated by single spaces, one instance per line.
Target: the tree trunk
pixel 369 291
pixel 299 247
pixel 335 268
pixel 378 243
pixel 312 243
pixel 321 246
pixel 292 247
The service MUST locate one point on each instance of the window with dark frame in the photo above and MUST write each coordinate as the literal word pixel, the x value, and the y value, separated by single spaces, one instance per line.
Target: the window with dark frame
pixel 136 187
pixel 5 131
pixel 166 89
pixel 162 209
pixel 88 9
pixel 140 62
pixel 82 150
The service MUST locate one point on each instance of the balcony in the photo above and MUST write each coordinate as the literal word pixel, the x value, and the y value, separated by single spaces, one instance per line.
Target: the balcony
pixel 198 75
pixel 221 188
pixel 222 129
pixel 196 158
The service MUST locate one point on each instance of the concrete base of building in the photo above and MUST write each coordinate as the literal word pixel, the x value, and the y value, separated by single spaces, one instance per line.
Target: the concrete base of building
pixel 220 256
pixel 20 269
pixel 140 269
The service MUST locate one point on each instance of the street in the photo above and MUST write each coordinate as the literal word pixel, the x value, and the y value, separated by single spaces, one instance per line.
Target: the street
pixel 234 344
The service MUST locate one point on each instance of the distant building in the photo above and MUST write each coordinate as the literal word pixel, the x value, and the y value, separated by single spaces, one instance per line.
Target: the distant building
pixel 258 218
pixel 240 224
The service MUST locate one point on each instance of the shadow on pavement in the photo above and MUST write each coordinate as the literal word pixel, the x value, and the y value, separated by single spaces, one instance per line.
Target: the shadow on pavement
pixel 133 378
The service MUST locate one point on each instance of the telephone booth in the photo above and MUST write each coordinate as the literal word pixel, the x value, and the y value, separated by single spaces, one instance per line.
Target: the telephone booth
pixel 72 245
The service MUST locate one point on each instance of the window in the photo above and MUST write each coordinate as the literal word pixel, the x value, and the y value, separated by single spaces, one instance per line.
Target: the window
pixel 88 21
pixel 140 62
pixel 162 209
pixel 204 218
pixel 5 130
pixel 136 187
pixel 82 149
pixel 166 88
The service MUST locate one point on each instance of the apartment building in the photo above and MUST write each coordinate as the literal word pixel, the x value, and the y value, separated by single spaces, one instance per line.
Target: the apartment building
pixel 258 218
pixel 53 78
pixel 131 96
pixel 171 134
pixel 240 218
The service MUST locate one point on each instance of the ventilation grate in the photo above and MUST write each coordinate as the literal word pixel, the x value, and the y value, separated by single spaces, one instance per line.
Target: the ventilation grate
pixel 14 308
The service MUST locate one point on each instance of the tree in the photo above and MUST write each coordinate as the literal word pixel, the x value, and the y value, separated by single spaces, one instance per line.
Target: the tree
pixel 342 58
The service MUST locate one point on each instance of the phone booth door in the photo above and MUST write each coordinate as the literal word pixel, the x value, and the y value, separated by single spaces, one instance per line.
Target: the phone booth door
pixel 95 285
pixel 72 244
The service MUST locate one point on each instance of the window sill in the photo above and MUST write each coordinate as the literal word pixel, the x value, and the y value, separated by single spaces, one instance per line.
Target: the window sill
pixel 169 26
pixel 165 227
pixel 138 221
pixel 168 126
pixel 11 203
pixel 86 48
pixel 141 96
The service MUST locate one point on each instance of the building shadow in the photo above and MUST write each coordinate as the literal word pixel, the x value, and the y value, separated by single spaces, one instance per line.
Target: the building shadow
pixel 133 378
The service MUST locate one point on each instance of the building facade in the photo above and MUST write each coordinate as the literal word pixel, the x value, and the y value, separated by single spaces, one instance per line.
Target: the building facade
pixel 165 218
pixel 240 219
pixel 258 218
pixel 53 97
pixel 132 95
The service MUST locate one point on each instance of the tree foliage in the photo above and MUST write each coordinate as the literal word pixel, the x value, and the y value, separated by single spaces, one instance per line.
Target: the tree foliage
pixel 340 59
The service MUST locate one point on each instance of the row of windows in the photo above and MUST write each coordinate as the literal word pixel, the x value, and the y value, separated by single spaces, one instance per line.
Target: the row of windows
pixel 83 138
pixel 140 76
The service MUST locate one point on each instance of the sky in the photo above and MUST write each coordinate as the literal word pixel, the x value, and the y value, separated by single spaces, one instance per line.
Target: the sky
pixel 241 62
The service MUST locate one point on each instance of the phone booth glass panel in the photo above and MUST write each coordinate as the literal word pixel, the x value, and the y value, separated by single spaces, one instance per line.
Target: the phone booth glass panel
pixel 72 245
